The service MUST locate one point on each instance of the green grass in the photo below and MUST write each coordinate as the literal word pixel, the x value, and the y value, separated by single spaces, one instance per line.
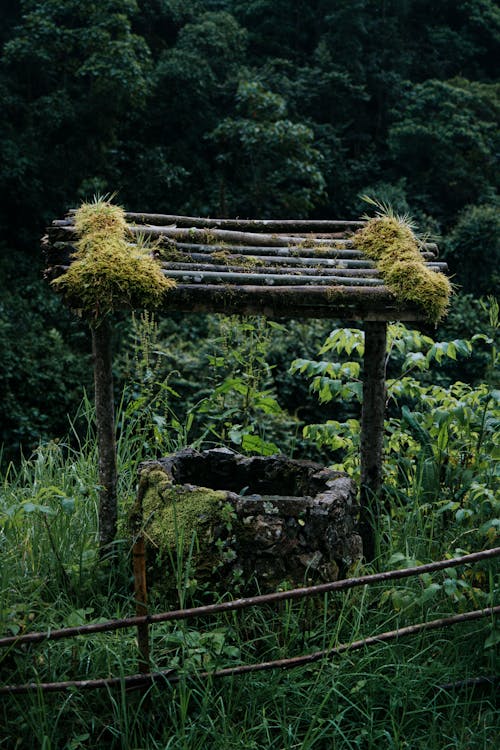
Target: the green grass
pixel 386 696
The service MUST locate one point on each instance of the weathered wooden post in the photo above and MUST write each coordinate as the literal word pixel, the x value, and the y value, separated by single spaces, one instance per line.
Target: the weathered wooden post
pixel 372 431
pixel 140 592
pixel 98 274
pixel 140 579
pixel 106 441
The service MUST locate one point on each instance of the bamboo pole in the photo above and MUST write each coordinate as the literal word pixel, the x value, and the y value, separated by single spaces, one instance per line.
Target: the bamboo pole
pixel 367 303
pixel 210 241
pixel 289 253
pixel 171 676
pixel 318 589
pixel 301 301
pixel 209 236
pixel 106 443
pixel 269 225
pixel 276 265
pixel 269 266
pixel 195 276
pixel 372 432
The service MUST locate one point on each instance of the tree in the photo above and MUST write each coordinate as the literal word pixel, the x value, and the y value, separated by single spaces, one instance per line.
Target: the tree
pixel 473 249
pixel 268 163
pixel 444 141
pixel 72 73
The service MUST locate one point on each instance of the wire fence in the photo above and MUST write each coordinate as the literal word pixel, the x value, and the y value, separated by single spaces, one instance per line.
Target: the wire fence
pixel 143 623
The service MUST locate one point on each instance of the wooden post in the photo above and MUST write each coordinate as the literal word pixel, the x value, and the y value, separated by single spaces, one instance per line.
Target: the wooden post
pixel 106 443
pixel 372 431
pixel 140 593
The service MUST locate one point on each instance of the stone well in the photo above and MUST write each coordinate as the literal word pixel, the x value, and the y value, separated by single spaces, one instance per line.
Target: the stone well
pixel 256 521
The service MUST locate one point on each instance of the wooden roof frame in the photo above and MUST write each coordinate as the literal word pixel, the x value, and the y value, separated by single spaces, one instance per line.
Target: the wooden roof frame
pixel 275 268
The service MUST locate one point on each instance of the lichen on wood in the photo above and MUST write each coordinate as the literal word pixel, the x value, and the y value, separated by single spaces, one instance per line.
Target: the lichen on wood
pixel 108 271
pixel 391 243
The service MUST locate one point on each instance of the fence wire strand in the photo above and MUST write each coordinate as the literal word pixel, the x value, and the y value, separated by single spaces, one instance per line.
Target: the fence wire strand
pixel 244 603
pixel 172 676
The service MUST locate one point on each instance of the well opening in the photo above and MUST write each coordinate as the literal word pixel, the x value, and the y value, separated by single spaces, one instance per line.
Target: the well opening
pixel 222 469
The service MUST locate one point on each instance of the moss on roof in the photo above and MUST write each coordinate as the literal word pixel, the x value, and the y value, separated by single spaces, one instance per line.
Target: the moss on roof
pixel 391 243
pixel 108 271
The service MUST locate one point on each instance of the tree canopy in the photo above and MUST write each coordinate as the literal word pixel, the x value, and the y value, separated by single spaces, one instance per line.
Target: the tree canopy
pixel 260 107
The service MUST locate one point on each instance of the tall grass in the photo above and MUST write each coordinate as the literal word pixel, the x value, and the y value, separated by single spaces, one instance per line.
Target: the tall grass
pixel 387 696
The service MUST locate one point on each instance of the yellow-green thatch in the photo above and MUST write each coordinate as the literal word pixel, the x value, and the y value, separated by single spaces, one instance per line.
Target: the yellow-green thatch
pixel 390 242
pixel 107 271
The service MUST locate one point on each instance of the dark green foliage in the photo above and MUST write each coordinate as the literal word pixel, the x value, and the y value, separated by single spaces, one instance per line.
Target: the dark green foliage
pixel 45 363
pixel 445 139
pixel 268 161
pixel 473 249
pixel 235 107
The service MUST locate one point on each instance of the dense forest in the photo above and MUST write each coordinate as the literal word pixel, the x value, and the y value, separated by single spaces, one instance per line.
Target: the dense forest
pixel 221 107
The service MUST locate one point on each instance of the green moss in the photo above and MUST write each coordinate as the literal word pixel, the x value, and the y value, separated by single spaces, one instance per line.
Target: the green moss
pixel 209 238
pixel 250 261
pixel 246 262
pixel 173 513
pixel 174 255
pixel 394 248
pixel 320 250
pixel 107 272
pixel 221 256
pixel 308 242
pixel 334 293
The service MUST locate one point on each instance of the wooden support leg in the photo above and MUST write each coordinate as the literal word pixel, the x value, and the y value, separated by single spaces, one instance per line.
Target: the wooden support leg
pixel 106 443
pixel 372 431
pixel 140 592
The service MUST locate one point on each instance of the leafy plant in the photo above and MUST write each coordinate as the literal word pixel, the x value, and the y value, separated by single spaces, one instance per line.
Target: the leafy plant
pixel 442 449
pixel 242 407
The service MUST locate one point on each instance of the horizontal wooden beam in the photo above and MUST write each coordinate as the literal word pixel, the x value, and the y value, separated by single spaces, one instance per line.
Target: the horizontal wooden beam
pixel 267 225
pixel 265 278
pixel 211 237
pixel 350 303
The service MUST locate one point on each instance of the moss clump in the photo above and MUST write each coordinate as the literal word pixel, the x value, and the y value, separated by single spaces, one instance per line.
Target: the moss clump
pixel 173 513
pixel 172 254
pixel 221 256
pixel 248 262
pixel 322 249
pixel 394 248
pixel 107 272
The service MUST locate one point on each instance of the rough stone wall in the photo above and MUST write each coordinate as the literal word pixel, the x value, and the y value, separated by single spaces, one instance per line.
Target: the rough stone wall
pixel 259 522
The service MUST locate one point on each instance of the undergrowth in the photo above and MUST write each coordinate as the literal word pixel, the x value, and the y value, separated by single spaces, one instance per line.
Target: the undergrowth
pixel 440 489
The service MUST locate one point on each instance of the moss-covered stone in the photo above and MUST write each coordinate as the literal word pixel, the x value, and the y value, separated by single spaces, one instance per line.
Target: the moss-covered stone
pixel 296 523
pixel 107 271
pixel 394 248
pixel 172 514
